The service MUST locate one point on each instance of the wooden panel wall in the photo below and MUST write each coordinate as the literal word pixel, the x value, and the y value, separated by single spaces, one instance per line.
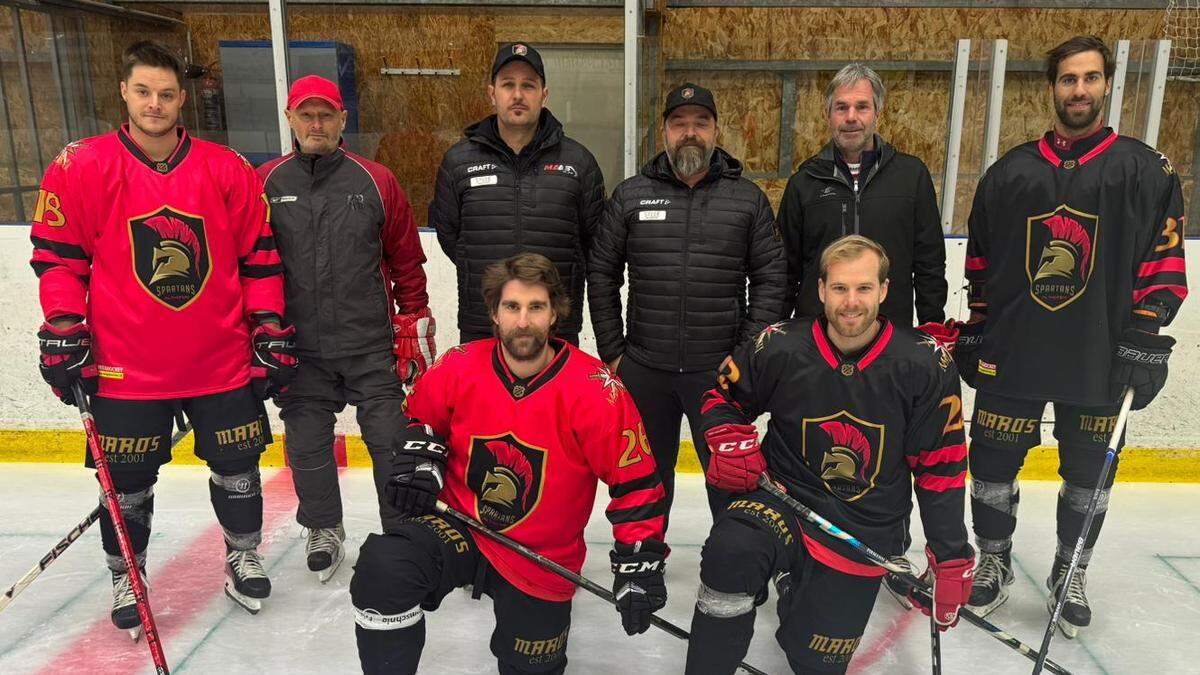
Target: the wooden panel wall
pixel 914 115
pixel 407 123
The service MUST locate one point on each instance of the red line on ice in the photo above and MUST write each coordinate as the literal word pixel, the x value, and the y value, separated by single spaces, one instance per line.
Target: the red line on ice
pixel 861 663
pixel 179 590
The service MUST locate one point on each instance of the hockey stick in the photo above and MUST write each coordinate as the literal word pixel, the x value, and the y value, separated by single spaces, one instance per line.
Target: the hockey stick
pixel 1109 458
pixel 114 511
pixel 907 577
pixel 36 571
pixel 580 581
pixel 935 645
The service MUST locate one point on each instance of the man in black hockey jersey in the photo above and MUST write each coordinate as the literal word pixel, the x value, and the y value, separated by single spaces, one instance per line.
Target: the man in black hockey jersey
pixel 1075 261
pixel 860 409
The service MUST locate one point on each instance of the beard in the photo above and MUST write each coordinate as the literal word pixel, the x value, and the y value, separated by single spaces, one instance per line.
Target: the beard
pixel 851 331
pixel 854 147
pixel 1081 120
pixel 524 345
pixel 690 158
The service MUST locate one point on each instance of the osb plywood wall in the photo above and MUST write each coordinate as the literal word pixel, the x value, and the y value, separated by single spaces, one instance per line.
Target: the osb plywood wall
pixel 407 123
pixel 915 112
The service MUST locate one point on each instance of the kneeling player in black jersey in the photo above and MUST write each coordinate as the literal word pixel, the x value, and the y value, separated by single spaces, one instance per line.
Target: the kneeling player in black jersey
pixel 860 409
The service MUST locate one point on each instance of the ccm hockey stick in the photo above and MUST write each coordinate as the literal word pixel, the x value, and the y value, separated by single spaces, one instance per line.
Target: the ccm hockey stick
pixel 580 581
pixel 1109 458
pixel 36 571
pixel 907 577
pixel 118 519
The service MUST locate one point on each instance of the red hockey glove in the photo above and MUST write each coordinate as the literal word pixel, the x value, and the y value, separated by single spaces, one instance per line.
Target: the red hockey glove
pixel 413 344
pixel 67 358
pixel 951 582
pixel 946 334
pixel 273 364
pixel 737 458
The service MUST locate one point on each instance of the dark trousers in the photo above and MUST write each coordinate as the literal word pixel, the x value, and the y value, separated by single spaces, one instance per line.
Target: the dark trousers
pixel 664 398
pixel 322 389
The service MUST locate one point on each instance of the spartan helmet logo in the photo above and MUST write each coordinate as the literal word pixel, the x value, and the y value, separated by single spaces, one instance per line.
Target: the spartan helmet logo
pixel 170 255
pixel 1060 255
pixel 506 476
pixel 845 452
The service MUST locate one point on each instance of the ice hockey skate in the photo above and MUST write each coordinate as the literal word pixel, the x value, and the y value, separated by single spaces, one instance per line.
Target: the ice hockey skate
pixel 325 551
pixel 245 581
pixel 1076 613
pixel 993 576
pixel 124 605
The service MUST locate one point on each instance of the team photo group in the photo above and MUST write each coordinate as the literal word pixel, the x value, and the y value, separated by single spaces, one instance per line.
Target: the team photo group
pixel 182 286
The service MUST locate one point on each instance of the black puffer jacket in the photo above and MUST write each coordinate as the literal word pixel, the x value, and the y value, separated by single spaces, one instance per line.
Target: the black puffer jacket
pixel 690 252
pixel 491 203
pixel 895 205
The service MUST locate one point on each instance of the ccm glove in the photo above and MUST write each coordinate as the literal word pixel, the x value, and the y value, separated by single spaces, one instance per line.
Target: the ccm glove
pixel 951 583
pixel 66 358
pixel 638 585
pixel 1140 362
pixel 413 344
pixel 274 363
pixel 418 467
pixel 946 334
pixel 966 349
pixel 737 458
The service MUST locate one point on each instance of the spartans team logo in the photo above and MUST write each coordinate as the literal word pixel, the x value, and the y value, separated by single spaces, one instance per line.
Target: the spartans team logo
pixel 1060 255
pixel 170 255
pixel 849 452
pixel 506 476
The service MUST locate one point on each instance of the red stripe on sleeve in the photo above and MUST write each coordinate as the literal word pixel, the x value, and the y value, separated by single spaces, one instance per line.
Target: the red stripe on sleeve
pixel 934 483
pixel 1165 265
pixel 1178 290
pixel 946 455
pixel 977 263
pixel 637 498
pixel 261 257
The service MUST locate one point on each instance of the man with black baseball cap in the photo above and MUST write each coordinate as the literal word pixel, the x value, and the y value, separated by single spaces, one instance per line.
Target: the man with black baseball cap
pixel 516 183
pixel 693 232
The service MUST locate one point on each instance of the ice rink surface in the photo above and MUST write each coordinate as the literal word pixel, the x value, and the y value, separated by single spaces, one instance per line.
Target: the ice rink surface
pixel 1144 587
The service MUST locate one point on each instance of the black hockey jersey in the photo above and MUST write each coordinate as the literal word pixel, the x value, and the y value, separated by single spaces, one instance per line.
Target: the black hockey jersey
pixel 1069 245
pixel 848 436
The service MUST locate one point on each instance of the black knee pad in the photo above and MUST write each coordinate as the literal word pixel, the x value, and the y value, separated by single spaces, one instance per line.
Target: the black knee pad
pixel 394 574
pixel 235 489
pixel 996 462
pixel 135 491
pixel 736 562
pixel 1080 465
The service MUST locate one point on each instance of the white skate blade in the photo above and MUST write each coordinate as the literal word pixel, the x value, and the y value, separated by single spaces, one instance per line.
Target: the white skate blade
pixel 252 605
pixel 135 634
pixel 326 574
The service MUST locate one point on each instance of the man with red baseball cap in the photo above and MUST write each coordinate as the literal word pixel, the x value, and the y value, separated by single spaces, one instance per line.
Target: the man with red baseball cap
pixel 355 283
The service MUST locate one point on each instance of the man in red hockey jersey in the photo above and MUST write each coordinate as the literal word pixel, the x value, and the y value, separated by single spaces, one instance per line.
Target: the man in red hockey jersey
pixel 530 423
pixel 356 295
pixel 162 291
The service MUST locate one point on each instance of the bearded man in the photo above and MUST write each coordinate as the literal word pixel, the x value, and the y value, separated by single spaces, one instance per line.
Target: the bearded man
pixel 695 234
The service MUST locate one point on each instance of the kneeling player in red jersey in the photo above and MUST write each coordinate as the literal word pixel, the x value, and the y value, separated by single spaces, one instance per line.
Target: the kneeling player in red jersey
pixel 162 291
pixel 860 410
pixel 529 424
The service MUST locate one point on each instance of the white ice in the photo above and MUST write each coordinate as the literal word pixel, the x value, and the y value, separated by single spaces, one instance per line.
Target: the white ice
pixel 1144 585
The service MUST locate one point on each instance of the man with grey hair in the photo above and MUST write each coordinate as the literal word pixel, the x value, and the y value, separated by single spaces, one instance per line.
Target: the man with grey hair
pixel 706 272
pixel 859 184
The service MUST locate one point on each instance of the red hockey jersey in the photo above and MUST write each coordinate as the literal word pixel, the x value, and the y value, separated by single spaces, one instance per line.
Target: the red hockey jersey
pixel 525 455
pixel 165 260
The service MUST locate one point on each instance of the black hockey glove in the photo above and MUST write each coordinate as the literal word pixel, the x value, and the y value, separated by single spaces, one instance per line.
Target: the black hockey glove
pixel 273 364
pixel 418 464
pixel 66 358
pixel 638 584
pixel 966 349
pixel 1140 362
